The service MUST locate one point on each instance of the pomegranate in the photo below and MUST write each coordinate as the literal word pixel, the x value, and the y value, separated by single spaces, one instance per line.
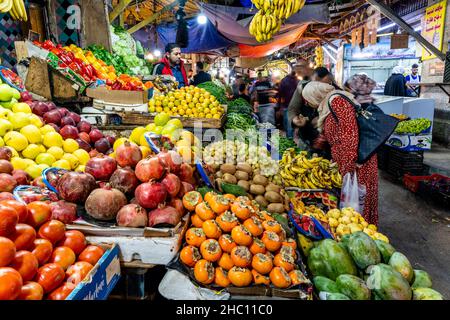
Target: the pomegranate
pixel 7 182
pixel 172 184
pixel 128 155
pixel 52 116
pixel 21 177
pixel 95 135
pixel 164 217
pixel 6 196
pixel 69 131
pixel 64 211
pixel 178 204
pixel 102 145
pixel 125 180
pixel 104 203
pixel 6 166
pixel 171 160
pixel 83 145
pixel 75 117
pixel 67 121
pixel 185 188
pixel 134 201
pixel 186 172
pixel 38 182
pixel 84 126
pixel 132 215
pixel 93 153
pixel 101 167
pixel 5 153
pixel 75 186
pixel 85 137
pixel 111 140
pixel 109 151
pixel 150 194
pixel 149 168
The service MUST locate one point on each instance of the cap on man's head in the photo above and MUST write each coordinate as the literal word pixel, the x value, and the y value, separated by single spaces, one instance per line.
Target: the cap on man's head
pixel 415 66
pixel 171 46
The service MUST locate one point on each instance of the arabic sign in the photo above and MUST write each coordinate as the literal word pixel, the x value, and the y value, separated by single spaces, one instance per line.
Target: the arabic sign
pixel 433 29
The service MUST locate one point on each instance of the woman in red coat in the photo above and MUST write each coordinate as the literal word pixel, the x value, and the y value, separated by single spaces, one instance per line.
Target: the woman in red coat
pixel 343 136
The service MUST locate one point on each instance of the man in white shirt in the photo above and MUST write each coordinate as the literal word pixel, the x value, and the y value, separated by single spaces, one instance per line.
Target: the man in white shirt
pixel 412 81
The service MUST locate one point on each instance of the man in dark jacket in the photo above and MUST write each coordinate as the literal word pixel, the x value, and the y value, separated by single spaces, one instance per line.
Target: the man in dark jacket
pixel 201 75
pixel 171 64
pixel 396 84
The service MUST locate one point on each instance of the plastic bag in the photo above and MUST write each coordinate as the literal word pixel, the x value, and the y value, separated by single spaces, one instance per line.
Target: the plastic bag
pixel 352 194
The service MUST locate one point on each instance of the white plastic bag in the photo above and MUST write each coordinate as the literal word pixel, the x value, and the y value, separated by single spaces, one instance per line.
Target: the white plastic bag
pixel 352 194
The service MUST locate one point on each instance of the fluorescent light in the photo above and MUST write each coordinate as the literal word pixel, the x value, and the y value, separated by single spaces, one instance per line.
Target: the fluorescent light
pixel 419 28
pixel 201 19
pixel 157 53
pixel 329 54
pixel 386 27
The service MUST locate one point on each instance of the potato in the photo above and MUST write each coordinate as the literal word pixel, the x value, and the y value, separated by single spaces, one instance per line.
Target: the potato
pixel 262 201
pixel 273 187
pixel 249 196
pixel 219 174
pixel 214 167
pixel 244 167
pixel 261 180
pixel 244 184
pixel 241 175
pixel 219 184
pixel 273 197
pixel 228 168
pixel 257 189
pixel 275 208
pixel 229 178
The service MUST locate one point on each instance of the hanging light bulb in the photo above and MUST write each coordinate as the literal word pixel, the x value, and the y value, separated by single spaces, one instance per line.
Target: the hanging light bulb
pixel 157 53
pixel 201 19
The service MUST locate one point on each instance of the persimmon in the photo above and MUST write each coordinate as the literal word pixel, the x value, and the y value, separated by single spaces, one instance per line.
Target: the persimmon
pixel 241 256
pixel 240 277
pixel 209 195
pixel 289 243
pixel 258 278
pixel 280 278
pixel 241 209
pixel 267 216
pixel 196 221
pixel 288 251
pixel 262 263
pixel 285 261
pixel 297 277
pixel 272 225
pixel 219 204
pixel 204 211
pixel 221 277
pixel 257 246
pixel 225 261
pixel 229 196
pixel 227 221
pixel 244 199
pixel 211 229
pixel 271 241
pixel 227 243
pixel 204 271
pixel 189 255
pixel 282 235
pixel 210 250
pixel 195 236
pixel 191 200
pixel 254 225
pixel 241 235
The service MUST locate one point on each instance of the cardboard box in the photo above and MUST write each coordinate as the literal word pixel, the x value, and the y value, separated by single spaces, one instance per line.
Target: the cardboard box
pixel 101 280
pixel 118 96
pixel 408 142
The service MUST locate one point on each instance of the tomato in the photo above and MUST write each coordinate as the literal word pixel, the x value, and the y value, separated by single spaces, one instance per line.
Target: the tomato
pixel 20 208
pixel 7 251
pixel 64 256
pixel 39 212
pixel 31 291
pixel 75 240
pixel 78 271
pixel 24 237
pixel 42 250
pixel 52 230
pixel 50 276
pixel 62 292
pixel 91 254
pixel 8 221
pixel 10 284
pixel 26 264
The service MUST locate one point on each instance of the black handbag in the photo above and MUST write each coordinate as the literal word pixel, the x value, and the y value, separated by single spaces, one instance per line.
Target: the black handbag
pixel 374 127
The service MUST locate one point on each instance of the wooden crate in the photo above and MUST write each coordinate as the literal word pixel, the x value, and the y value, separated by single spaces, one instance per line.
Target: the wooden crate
pixel 38 80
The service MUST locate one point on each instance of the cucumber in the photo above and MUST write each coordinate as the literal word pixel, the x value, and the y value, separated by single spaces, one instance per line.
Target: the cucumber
pixel 204 190
pixel 233 189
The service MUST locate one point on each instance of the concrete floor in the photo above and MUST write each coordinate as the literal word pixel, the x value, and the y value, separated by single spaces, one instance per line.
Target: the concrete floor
pixel 418 229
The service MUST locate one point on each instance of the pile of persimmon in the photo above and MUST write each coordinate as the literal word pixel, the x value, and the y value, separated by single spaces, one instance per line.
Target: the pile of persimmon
pixel 39 259
pixel 232 242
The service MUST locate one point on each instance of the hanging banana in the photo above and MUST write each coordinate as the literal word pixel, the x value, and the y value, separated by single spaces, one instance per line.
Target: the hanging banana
pixel 16 9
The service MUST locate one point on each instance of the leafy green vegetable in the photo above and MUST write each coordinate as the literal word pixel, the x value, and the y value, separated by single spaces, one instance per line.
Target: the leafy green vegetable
pixel 239 105
pixel 413 126
pixel 215 90
pixel 240 121
pixel 284 144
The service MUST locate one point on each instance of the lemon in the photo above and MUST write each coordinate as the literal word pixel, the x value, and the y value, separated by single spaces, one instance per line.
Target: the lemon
pixel 19 163
pixel 150 127
pixel 53 139
pixel 146 151
pixel 16 140
pixel 143 141
pixel 82 156
pixel 119 142
pixel 21 107
pixel 57 152
pixel 73 160
pixel 136 134
pixel 2 143
pixel 161 119
pixel 19 119
pixel 63 164
pixel 32 133
pixel 5 127
pixel 80 168
pixel 112 155
pixel 32 151
pixel 70 145
pixel 46 129
pixel 216 116
pixel 35 170
pixel 45 158
pixel 34 120
pixel 158 129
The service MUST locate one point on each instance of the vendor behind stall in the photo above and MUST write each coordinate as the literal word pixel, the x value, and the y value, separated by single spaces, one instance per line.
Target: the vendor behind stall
pixel 171 64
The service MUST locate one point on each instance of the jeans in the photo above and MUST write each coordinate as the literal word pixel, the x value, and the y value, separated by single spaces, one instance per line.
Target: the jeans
pixel 287 125
pixel 266 113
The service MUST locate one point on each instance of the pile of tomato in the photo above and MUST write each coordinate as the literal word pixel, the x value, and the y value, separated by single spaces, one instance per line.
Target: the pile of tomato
pixel 39 259
pixel 233 242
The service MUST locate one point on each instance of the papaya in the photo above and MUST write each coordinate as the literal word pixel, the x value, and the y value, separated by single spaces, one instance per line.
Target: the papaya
pixel 332 296
pixel 385 249
pixel 387 283
pixel 353 287
pixel 330 260
pixel 325 284
pixel 400 263
pixel 421 280
pixel 363 250
pixel 426 294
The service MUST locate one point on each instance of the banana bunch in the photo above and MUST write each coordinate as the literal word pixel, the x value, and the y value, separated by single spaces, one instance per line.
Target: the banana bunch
pixel 16 9
pixel 315 173
pixel 319 56
pixel 272 13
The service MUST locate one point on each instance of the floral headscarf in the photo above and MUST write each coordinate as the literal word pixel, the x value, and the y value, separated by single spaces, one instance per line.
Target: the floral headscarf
pixel 361 86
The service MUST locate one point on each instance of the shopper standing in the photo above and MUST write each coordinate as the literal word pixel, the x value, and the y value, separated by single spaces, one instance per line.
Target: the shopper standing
pixel 396 84
pixel 412 81
pixel 286 90
pixel 243 92
pixel 201 75
pixel 340 129
pixel 171 64
pixel 261 96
